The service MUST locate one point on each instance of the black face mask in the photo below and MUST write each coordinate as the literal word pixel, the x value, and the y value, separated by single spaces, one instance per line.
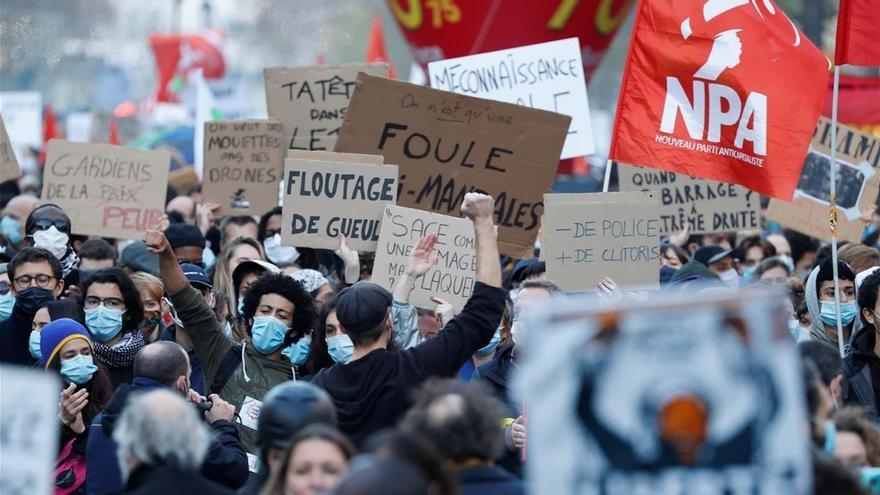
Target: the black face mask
pixel 32 299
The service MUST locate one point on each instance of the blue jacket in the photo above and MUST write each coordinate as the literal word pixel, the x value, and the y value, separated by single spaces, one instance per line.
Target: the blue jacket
pixel 226 462
pixel 488 481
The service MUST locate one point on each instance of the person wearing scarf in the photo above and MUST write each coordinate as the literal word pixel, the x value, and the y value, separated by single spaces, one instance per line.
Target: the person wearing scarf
pixel 114 314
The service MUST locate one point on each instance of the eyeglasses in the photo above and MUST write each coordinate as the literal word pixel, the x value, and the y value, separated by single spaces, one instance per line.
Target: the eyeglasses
pixel 47 223
pixel 109 302
pixel 25 281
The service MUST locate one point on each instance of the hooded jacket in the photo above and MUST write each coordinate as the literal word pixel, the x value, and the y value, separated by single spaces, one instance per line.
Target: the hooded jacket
pixel 226 462
pixel 817 330
pixel 860 368
pixel 373 392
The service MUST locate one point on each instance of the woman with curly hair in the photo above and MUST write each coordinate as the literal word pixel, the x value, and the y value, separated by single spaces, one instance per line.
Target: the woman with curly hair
pixel 276 312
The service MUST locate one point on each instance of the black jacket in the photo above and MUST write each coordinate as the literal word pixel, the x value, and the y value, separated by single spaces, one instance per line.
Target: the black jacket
pixel 226 462
pixel 860 366
pixel 374 391
pixel 496 374
pixel 168 480
pixel 488 481
pixel 14 334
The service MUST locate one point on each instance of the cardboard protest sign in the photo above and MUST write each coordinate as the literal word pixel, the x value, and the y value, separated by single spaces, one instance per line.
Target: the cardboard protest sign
pixel 108 191
pixel 28 430
pixel 336 157
pixel 447 145
pixel 707 206
pixel 183 179
pixel 9 168
pixel 596 235
pixel 671 395
pixel 243 165
pixel 323 200
pixel 452 278
pixel 858 181
pixel 547 75
pixel 311 102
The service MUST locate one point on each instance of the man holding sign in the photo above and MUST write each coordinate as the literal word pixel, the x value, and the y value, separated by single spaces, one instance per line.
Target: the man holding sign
pixel 373 389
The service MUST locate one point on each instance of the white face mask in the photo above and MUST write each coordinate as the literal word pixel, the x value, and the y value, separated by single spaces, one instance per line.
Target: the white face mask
pixel 730 278
pixel 278 254
pixel 52 240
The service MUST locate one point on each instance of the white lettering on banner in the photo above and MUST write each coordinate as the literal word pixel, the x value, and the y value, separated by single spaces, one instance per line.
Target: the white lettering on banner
pixel 693 114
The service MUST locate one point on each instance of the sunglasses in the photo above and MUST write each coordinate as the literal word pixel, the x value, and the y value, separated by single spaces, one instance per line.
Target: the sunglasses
pixel 46 224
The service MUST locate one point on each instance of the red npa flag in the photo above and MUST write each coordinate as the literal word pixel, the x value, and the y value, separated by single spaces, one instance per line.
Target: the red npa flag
pixel 728 90
pixel 858 27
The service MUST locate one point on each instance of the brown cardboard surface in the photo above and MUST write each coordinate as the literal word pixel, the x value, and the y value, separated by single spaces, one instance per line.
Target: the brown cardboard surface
pixel 332 156
pixel 311 101
pixel 243 165
pixel 9 168
pixel 109 191
pixel 318 206
pixel 807 214
pixel 596 235
pixel 452 278
pixel 447 145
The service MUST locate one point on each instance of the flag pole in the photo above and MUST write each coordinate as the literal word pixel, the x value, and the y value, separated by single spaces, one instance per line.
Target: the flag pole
pixel 607 181
pixel 833 208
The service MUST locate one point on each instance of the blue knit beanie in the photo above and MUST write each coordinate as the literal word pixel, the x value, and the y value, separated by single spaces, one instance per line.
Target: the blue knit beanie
pixel 56 334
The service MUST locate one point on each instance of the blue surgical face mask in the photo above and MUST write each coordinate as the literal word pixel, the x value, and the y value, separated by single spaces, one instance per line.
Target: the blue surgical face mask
pixel 848 312
pixel 34 345
pixel 7 302
pixel 340 348
pixel 490 347
pixel 104 323
pixel 267 334
pixel 794 328
pixel 297 352
pixel 748 272
pixel 78 369
pixel 11 228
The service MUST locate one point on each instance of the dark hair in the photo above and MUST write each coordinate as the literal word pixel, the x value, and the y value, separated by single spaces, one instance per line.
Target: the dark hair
pixel 34 255
pixel 162 361
pixel 29 223
pixel 417 452
pixel 800 244
pixel 833 478
pixel 868 294
pixel 540 284
pixel 100 388
pixel 264 222
pixel 826 273
pixel 97 249
pixel 466 429
pixel 134 308
pixel 751 241
pixel 679 253
pixel 824 357
pixel 370 336
pixel 366 261
pixel 854 419
pixel 319 357
pixel 288 288
pixel 238 220
pixel 770 263
pixel 812 392
pixel 65 308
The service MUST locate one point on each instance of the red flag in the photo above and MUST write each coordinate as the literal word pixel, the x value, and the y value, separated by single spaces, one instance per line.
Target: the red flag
pixel 178 54
pixel 376 51
pixel 114 132
pixel 50 130
pixel 858 22
pixel 723 90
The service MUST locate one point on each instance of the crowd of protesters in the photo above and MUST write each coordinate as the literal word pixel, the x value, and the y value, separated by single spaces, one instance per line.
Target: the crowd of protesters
pixel 210 358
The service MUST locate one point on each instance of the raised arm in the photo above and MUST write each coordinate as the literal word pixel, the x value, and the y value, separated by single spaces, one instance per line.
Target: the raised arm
pixel 480 208
pixel 198 319
pixel 471 329
pixel 404 314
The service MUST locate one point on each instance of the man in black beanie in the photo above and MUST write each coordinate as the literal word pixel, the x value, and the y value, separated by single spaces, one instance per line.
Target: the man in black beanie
pixel 374 388
pixel 187 242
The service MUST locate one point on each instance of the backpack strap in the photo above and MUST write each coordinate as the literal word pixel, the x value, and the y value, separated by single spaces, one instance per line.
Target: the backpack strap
pixel 230 362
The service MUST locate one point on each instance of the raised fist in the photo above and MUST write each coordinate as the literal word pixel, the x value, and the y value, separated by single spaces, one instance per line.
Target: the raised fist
pixel 477 206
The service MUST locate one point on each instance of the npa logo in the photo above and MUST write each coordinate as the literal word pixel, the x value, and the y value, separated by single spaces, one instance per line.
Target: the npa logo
pixel 714 108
